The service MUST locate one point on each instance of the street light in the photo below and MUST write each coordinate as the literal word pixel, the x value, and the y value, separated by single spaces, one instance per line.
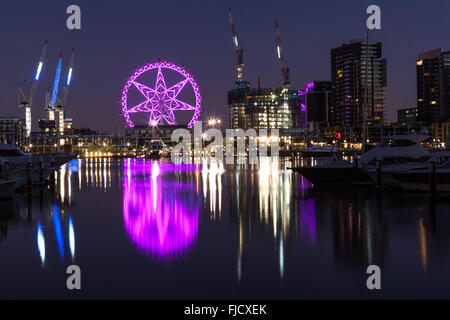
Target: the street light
pixel 213 122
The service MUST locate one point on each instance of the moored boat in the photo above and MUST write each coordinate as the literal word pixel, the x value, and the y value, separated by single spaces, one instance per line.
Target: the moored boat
pixel 27 169
pixel 393 150
pixel 423 179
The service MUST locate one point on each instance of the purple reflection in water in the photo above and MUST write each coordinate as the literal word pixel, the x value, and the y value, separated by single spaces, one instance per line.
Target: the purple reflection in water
pixel 160 212
pixel 308 219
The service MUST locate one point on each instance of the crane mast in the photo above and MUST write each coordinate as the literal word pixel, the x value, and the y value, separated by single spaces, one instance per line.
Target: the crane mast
pixel 27 101
pixel 239 51
pixel 68 80
pixel 284 67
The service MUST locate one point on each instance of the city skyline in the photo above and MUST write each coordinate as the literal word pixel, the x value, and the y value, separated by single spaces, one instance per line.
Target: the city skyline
pixel 107 51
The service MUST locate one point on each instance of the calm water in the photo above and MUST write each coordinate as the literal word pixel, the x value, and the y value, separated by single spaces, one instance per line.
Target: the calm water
pixel 142 229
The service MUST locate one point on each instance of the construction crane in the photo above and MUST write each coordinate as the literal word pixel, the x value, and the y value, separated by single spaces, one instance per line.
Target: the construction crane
pixel 52 97
pixel 56 99
pixel 68 76
pixel 26 102
pixel 239 51
pixel 283 62
pixel 53 102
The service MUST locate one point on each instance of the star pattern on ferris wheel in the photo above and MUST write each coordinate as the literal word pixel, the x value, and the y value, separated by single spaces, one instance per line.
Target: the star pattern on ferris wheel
pixel 160 101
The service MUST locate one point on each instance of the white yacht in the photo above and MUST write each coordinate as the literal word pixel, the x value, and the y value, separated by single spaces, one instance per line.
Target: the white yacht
pixel 393 150
pixel 416 175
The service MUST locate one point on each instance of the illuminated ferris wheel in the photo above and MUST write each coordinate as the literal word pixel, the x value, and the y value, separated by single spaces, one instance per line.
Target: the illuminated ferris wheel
pixel 159 100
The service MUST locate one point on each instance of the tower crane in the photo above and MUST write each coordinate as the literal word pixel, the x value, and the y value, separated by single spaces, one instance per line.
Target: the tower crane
pixel 239 51
pixel 68 79
pixel 283 62
pixel 26 102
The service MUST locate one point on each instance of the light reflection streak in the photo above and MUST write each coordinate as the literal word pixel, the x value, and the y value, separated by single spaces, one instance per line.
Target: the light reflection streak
pixel 71 238
pixel 41 243
pixel 62 190
pixel 212 183
pixel 58 230
pixel 423 244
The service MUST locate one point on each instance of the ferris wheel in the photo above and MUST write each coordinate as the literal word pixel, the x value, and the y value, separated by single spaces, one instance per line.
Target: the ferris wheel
pixel 159 100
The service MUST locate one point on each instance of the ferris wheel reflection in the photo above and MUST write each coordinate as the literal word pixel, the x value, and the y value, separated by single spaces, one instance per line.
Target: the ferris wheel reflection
pixel 160 215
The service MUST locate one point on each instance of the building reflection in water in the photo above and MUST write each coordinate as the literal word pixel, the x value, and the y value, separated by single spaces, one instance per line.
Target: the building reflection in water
pixel 212 182
pixel 359 230
pixel 160 212
pixel 265 195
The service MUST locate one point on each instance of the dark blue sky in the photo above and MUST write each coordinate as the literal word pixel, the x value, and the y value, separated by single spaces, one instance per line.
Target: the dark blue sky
pixel 118 35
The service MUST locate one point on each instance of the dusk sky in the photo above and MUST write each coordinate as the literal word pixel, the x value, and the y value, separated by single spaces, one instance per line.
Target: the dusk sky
pixel 118 35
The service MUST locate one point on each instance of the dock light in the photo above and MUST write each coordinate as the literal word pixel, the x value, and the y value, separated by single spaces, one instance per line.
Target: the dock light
pixel 153 123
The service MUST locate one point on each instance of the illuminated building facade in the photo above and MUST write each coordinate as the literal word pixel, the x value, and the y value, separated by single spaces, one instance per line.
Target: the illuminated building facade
pixel 348 79
pixel 237 102
pixel 433 86
pixel 263 108
pixel 11 131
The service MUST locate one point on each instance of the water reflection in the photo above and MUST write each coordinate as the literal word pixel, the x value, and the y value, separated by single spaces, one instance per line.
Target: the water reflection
pixel 160 213
pixel 41 243
pixel 212 182
pixel 265 195
pixel 251 223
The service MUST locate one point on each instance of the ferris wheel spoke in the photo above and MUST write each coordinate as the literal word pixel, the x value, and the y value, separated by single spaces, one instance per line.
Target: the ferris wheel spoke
pixel 180 105
pixel 175 90
pixel 160 82
pixel 170 120
pixel 142 107
pixel 147 92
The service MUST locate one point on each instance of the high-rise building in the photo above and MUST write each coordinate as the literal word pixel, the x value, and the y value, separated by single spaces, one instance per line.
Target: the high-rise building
pixel 351 99
pixel 407 116
pixel 11 131
pixel 433 86
pixel 315 101
pixel 263 108
pixel 237 103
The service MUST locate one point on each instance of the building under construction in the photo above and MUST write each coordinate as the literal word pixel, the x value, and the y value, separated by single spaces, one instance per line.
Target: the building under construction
pixel 264 108
pixel 277 108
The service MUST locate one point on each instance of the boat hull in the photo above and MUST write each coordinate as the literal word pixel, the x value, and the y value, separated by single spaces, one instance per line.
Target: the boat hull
pixel 333 176
pixel 421 181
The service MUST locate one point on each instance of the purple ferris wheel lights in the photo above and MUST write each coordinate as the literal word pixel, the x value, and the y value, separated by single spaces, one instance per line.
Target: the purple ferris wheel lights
pixel 161 101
